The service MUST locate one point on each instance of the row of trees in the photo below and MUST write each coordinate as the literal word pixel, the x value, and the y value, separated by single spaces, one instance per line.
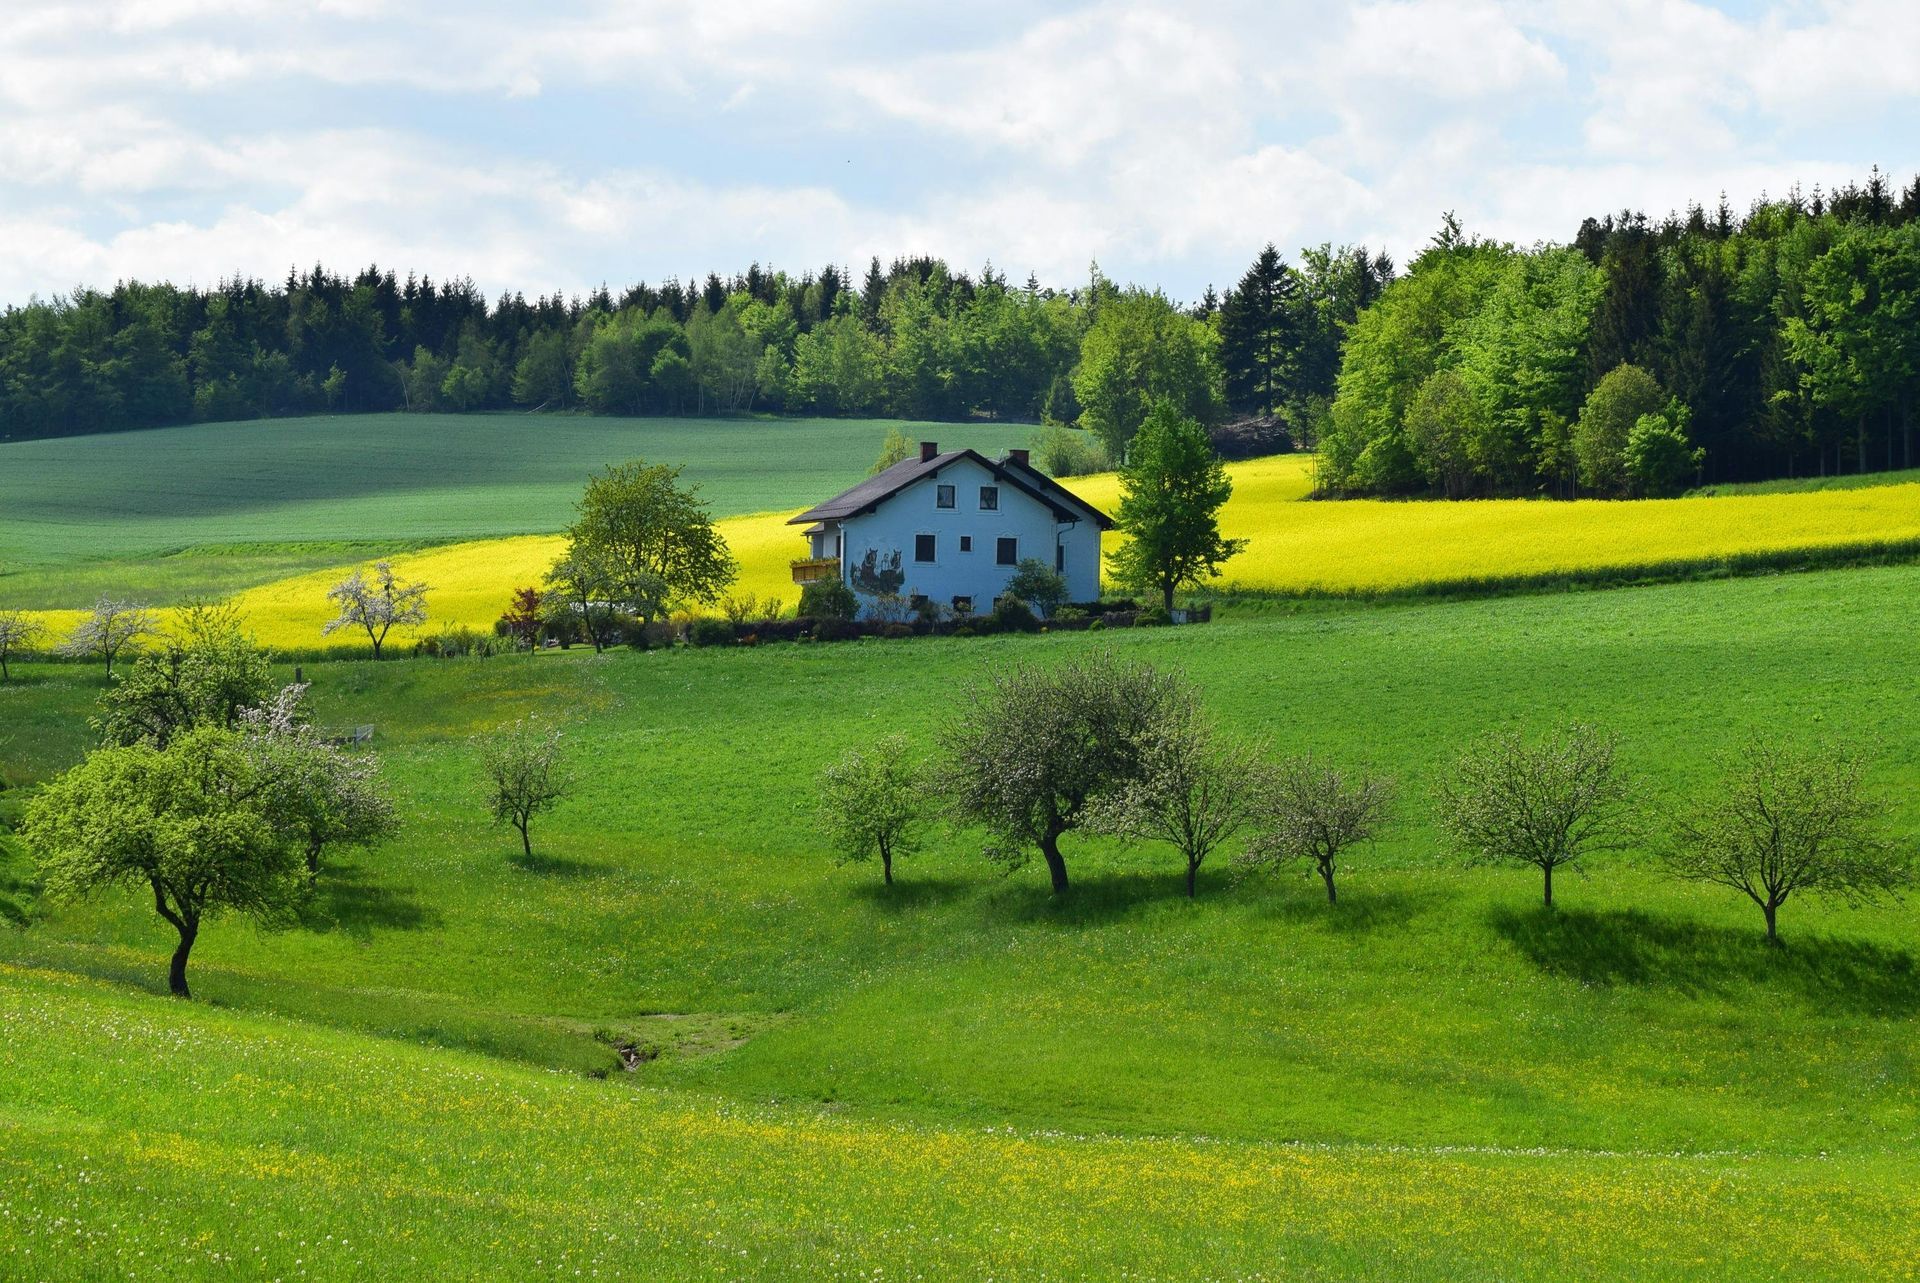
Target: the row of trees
pixel 1776 344
pixel 1104 746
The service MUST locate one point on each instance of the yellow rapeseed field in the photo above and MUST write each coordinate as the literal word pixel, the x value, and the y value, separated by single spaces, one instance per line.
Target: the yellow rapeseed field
pixel 1296 545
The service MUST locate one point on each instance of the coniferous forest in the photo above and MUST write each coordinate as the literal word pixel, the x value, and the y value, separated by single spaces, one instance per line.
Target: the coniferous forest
pixel 1643 357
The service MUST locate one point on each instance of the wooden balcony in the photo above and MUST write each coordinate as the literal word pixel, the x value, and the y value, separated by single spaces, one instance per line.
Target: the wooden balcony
pixel 809 570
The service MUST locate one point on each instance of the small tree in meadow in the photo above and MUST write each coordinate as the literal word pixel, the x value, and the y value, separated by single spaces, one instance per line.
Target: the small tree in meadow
pixel 873 802
pixel 1783 820
pixel 1039 585
pixel 18 632
pixel 1546 802
pixel 1195 790
pixel 376 605
pixel 196 824
pixel 894 448
pixel 113 627
pixel 526 774
pixel 1034 747
pixel 1316 812
pixel 208 673
pixel 828 599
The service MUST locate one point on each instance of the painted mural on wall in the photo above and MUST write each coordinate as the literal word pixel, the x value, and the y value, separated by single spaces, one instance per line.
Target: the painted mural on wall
pixel 878 576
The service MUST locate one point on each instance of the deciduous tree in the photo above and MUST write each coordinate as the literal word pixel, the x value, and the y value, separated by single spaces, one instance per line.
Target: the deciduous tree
pixel 18 632
pixel 113 627
pixel 1544 802
pixel 1785 819
pixel 526 774
pixel 653 537
pixel 874 802
pixel 376 605
pixel 1171 492
pixel 195 823
pixel 1315 811
pixel 1033 747
pixel 1194 790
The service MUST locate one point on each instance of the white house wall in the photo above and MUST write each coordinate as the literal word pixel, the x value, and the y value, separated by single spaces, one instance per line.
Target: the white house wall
pixel 914 511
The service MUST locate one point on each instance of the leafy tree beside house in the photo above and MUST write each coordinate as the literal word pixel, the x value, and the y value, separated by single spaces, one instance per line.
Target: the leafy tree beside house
pixel 652 538
pixel 1171 492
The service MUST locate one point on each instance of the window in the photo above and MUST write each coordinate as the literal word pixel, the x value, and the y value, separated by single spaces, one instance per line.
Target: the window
pixel 923 547
pixel 943 496
pixel 1007 552
pixel 989 498
pixel 1060 558
pixel 966 543
pixel 963 605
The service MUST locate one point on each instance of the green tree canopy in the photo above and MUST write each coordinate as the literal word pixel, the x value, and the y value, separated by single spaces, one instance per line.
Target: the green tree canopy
pixel 1142 350
pixel 652 536
pixel 1171 492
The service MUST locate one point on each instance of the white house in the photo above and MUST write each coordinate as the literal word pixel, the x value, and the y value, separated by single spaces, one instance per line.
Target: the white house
pixel 951 528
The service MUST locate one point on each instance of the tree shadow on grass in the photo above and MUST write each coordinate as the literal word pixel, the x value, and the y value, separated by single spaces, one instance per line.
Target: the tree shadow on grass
pixel 1629 947
pixel 909 892
pixel 345 898
pixel 1098 897
pixel 1357 910
pixel 555 866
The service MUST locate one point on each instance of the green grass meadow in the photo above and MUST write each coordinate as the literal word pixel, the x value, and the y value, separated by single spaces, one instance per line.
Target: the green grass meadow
pixel 962 1076
pixel 210 509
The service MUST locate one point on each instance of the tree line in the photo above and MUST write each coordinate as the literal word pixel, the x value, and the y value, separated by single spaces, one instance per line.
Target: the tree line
pixel 1642 358
pixel 1775 343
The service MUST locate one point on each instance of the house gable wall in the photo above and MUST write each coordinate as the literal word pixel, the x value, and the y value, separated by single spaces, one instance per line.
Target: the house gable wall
pixel 913 511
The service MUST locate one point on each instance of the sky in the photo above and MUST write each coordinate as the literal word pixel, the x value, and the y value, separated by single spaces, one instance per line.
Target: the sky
pixel 557 145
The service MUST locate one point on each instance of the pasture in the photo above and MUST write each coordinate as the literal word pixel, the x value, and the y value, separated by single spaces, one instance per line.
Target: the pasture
pixel 1434 1079
pixel 273 511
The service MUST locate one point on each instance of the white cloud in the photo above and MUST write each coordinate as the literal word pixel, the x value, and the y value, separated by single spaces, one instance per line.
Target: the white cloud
pixel 621 139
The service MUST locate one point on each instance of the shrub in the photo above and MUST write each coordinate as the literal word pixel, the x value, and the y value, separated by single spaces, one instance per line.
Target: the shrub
pixel 712 632
pixel 828 599
pixel 1039 585
pixel 1096 624
pixel 894 632
pixel 833 628
pixel 1152 616
pixel 1011 615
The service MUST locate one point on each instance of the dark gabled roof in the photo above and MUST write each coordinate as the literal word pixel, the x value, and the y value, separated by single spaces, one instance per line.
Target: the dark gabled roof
pixel 880 487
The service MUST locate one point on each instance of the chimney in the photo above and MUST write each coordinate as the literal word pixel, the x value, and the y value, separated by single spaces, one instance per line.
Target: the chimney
pixel 1019 457
pixel 929 450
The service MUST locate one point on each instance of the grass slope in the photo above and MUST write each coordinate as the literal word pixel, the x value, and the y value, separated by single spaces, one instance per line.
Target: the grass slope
pixel 148 1140
pixel 406 479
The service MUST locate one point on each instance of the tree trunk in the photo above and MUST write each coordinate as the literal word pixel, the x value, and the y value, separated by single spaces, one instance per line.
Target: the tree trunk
pixel 886 866
pixel 1773 925
pixel 177 970
pixel 1548 870
pixel 526 843
pixel 1166 596
pixel 1193 870
pixel 313 858
pixel 1326 876
pixel 1056 867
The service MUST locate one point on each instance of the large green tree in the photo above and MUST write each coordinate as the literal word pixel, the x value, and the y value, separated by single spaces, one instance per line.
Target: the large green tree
pixel 652 536
pixel 1171 492
pixel 1139 351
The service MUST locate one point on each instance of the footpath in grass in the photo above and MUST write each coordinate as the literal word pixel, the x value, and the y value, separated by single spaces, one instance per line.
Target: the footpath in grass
pixel 149 1139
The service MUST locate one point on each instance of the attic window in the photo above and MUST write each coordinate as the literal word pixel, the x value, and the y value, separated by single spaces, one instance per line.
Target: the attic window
pixel 943 496
pixel 989 498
